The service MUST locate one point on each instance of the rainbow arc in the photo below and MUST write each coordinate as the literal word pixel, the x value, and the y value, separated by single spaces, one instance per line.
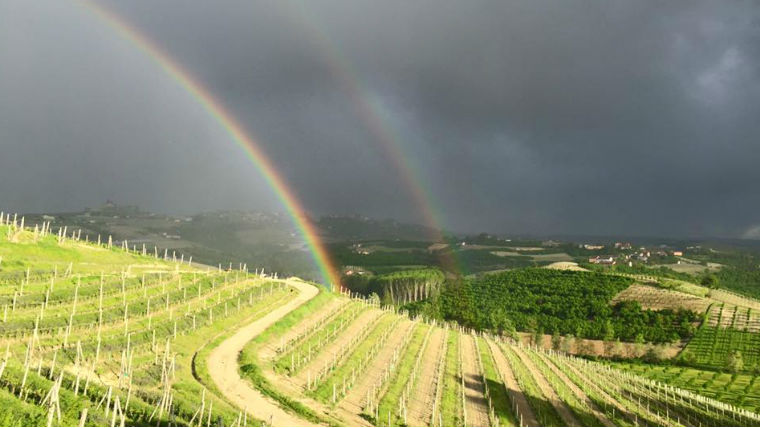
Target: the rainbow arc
pixel 239 135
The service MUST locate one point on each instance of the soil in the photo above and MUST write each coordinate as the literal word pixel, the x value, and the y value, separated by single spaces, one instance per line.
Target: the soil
pixel 513 388
pixel 223 365
pixel 421 402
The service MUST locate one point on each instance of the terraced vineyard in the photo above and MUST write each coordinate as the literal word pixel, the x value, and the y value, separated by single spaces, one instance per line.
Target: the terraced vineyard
pixel 740 389
pixel 94 334
pixel 729 336
pixel 384 369
pixel 729 333
pixel 104 334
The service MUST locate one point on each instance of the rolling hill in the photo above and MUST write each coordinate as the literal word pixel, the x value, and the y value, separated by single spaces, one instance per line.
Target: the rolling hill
pixel 103 334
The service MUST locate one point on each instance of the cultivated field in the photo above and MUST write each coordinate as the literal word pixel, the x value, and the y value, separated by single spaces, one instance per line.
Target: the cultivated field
pixel 740 389
pixel 565 266
pixel 381 368
pixel 656 298
pixel 691 268
pixel 100 335
pixel 728 330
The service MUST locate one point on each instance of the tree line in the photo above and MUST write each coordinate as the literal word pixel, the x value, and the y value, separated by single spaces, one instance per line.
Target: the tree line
pixel 400 287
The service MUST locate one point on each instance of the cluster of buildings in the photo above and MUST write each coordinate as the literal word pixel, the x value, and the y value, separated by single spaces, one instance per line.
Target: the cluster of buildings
pixel 357 248
pixel 169 236
pixel 602 260
pixel 641 255
pixel 354 270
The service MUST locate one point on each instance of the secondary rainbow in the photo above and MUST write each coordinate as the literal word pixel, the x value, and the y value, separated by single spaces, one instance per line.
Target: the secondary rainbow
pixel 237 133
pixel 372 113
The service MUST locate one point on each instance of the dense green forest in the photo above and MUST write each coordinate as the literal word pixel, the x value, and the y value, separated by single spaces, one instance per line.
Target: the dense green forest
pixel 548 301
pixel 744 280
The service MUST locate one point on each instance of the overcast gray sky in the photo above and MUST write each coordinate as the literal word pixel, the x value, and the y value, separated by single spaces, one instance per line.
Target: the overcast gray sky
pixel 578 117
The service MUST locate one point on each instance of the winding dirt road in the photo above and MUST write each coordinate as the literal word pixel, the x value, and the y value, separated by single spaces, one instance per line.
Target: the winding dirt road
pixel 223 364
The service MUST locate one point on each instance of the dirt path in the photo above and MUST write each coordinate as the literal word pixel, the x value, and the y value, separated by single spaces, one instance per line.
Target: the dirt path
pixel 421 402
pixel 223 364
pixel 513 388
pixel 269 351
pixel 577 391
pixel 476 406
pixel 344 338
pixel 564 412
pixel 355 399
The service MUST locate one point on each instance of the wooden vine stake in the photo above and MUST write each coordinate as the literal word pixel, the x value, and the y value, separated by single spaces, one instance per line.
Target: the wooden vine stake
pixel 83 416
pixel 52 401
pixel 167 368
pixel 117 411
pixel 5 360
pixel 201 410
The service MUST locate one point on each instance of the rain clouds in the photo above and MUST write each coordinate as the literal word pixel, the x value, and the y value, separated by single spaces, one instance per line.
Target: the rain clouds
pixel 532 117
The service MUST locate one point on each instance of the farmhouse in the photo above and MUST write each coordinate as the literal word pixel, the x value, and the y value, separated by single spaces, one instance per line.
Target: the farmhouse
pixel 643 256
pixel 593 246
pixel 602 260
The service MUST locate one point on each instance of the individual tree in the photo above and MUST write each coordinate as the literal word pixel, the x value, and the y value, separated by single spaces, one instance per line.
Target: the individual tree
pixel 688 357
pixel 579 331
pixel 498 320
pixel 386 300
pixel 510 330
pixel 710 280
pixel 639 341
pixel 735 362
pixel 374 298
pixel 556 340
pixel 538 337
pixel 609 331
pixel 567 343
pixel 651 356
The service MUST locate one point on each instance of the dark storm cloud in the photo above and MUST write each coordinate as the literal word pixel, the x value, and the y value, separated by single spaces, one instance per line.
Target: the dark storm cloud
pixel 524 117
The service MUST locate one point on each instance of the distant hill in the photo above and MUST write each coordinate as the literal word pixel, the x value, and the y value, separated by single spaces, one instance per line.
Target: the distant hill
pixel 259 239
pixel 360 228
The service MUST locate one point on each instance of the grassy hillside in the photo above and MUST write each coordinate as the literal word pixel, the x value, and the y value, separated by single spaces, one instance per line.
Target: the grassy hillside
pixel 109 336
pixel 101 335
pixel 24 250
